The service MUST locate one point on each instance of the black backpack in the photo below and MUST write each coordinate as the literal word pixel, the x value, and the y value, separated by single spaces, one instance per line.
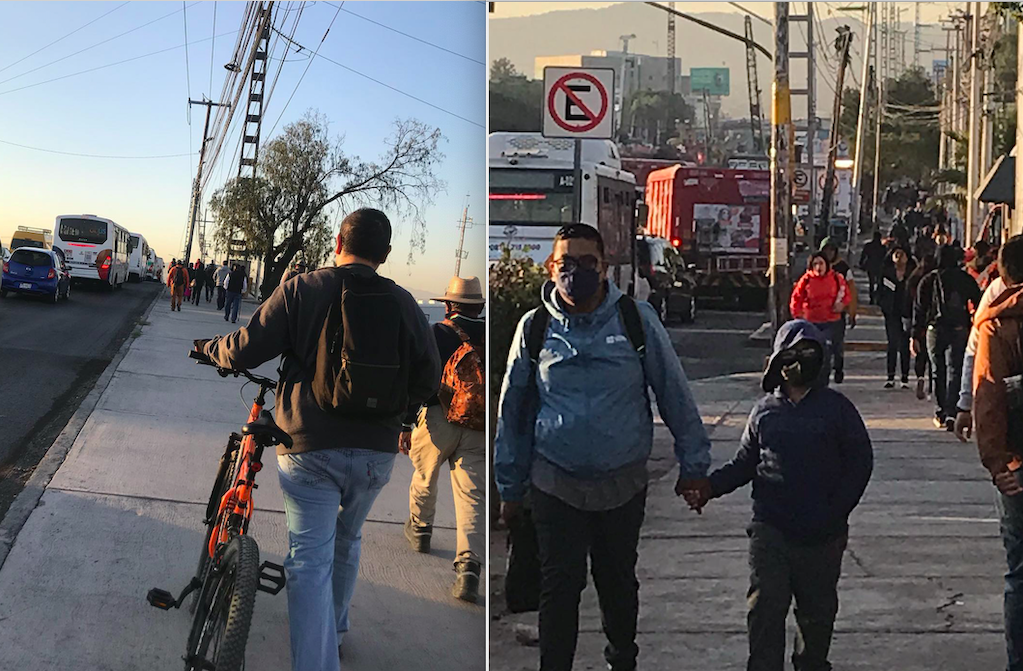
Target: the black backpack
pixel 362 356
pixel 950 306
pixel 179 278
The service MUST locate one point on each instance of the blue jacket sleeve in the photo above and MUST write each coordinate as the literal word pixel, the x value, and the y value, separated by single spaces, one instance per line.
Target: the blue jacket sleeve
pixel 513 443
pixel 675 401
pixel 857 461
pixel 743 466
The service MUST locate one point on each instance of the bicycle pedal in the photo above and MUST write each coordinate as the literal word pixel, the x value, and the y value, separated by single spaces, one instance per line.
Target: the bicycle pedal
pixel 271 578
pixel 161 598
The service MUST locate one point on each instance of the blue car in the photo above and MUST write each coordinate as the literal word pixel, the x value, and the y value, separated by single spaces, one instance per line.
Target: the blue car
pixel 37 272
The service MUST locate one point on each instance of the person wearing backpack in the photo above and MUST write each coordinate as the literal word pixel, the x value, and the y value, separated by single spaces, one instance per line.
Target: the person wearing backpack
pixel 998 415
pixel 942 318
pixel 574 433
pixel 359 355
pixel 235 286
pixel 177 280
pixel 449 429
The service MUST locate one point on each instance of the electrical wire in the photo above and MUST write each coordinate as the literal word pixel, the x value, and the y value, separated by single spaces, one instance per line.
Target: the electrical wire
pixel 83 155
pixel 188 70
pixel 419 39
pixel 43 48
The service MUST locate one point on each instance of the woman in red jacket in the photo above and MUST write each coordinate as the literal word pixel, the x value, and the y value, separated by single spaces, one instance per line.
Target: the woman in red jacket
pixel 819 297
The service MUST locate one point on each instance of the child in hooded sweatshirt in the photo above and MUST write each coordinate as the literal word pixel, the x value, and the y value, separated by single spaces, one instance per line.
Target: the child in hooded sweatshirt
pixel 807 452
pixel 820 296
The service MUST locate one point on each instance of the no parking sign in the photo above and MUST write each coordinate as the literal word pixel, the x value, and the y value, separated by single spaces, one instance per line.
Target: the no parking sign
pixel 578 102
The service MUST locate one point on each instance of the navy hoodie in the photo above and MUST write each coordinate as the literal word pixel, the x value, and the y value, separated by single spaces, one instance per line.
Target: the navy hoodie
pixel 809 461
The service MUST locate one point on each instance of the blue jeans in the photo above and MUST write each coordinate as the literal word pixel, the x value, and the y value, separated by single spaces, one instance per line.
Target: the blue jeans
pixel 327 496
pixel 1010 512
pixel 834 353
pixel 946 348
pixel 234 301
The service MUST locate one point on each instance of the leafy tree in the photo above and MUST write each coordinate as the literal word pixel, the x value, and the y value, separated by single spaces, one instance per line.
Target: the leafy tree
pixel 515 284
pixel 648 111
pixel 515 100
pixel 305 176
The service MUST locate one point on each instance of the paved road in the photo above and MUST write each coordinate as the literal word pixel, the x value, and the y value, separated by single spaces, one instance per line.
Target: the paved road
pixel 50 356
pixel 718 344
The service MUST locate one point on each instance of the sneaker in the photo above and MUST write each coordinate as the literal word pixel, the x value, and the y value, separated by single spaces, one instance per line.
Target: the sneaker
pixel 920 389
pixel 950 424
pixel 839 376
pixel 225 318
pixel 418 537
pixel 890 384
pixel 905 384
pixel 939 422
pixel 467 584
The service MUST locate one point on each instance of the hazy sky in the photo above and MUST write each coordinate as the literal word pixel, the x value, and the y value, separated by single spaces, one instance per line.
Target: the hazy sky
pixel 139 108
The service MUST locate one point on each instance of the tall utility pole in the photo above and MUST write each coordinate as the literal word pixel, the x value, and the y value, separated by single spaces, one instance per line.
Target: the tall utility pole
pixel 781 171
pixel 916 34
pixel 861 122
pixel 196 185
pixel 625 76
pixel 973 167
pixel 844 42
pixel 669 122
pixel 253 120
pixel 806 162
pixel 460 253
pixel 880 70
pixel 756 116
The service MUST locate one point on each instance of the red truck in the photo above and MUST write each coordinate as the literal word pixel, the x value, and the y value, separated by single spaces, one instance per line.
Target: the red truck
pixel 719 220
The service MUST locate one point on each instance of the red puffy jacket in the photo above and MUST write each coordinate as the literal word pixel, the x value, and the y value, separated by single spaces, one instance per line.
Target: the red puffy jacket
pixel 819 298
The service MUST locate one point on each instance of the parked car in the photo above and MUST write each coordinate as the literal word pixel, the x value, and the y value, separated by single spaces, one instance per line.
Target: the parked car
pixel 672 282
pixel 37 272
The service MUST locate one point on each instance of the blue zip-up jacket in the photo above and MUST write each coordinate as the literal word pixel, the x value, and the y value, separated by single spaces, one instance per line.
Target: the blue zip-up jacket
pixel 593 415
pixel 809 461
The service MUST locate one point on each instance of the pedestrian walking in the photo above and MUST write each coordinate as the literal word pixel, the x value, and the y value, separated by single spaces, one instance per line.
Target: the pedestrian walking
pixel 342 398
pixel 177 280
pixel 900 233
pixel 221 277
pixel 575 432
pixel 871 261
pixel 917 346
pixel 998 406
pixel 809 456
pixel 449 429
pixel 820 297
pixel 942 319
pixel 235 286
pixel 897 314
pixel 211 274
pixel 848 319
pixel 963 428
pixel 923 244
pixel 198 282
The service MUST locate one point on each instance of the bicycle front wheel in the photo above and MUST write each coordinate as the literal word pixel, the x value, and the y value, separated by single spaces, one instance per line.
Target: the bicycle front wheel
pixel 220 628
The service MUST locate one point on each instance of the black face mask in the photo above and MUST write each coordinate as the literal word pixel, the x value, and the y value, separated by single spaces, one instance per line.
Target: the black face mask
pixel 799 367
pixel 579 285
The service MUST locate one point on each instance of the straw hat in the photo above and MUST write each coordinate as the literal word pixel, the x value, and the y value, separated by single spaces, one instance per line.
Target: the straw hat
pixel 464 290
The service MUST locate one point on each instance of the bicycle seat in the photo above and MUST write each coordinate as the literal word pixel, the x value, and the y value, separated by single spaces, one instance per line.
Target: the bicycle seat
pixel 266 427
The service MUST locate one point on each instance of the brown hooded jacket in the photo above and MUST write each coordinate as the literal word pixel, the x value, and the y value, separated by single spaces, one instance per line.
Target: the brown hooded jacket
pixel 999 355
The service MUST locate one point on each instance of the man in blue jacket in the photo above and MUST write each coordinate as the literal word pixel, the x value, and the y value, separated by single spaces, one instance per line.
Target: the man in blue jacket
pixel 575 430
pixel 809 456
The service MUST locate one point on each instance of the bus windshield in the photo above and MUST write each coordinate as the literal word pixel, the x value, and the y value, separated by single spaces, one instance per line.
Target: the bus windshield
pixel 83 230
pixel 531 196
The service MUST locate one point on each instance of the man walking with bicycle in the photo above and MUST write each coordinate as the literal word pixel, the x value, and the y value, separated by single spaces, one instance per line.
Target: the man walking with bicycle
pixel 344 419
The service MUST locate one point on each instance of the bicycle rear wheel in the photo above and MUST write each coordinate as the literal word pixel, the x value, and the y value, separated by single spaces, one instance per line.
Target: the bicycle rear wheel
pixel 220 628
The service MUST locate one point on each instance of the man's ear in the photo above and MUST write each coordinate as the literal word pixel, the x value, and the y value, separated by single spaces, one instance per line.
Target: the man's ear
pixel 549 265
pixel 337 249
pixel 386 254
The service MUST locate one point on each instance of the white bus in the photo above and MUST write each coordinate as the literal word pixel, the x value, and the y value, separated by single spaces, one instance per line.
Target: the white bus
pixel 531 198
pixel 96 249
pixel 138 262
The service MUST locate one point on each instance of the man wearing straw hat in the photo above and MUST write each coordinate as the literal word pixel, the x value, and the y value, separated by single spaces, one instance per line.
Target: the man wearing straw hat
pixel 449 429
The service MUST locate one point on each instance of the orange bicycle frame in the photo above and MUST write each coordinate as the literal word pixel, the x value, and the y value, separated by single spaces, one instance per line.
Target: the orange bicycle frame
pixel 237 501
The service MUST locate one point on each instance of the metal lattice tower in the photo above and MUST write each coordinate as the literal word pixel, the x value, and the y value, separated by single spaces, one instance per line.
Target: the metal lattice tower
pixel 755 114
pixel 672 75
pixel 253 121
pixel 460 253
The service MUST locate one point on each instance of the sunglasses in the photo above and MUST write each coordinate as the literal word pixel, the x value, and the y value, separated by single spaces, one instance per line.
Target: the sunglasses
pixel 804 354
pixel 569 264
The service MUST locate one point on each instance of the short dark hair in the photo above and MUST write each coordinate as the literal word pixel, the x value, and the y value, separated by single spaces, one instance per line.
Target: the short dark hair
pixel 1010 260
pixel 581 232
pixel 366 233
pixel 819 255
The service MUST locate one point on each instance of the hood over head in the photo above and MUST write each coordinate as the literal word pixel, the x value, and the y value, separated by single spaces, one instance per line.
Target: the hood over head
pixel 948 257
pixel 788 335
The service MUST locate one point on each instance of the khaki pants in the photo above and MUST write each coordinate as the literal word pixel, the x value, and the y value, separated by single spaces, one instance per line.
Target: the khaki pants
pixel 436 441
pixel 177 295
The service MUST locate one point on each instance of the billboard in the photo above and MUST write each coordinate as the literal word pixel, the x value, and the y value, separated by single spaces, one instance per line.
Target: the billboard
pixel 712 80
pixel 727 228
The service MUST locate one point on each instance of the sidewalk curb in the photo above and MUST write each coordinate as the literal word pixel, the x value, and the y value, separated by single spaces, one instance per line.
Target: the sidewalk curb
pixel 27 501
pixel 762 338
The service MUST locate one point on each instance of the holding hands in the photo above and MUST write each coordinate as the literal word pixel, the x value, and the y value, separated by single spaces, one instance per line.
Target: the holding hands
pixel 696 492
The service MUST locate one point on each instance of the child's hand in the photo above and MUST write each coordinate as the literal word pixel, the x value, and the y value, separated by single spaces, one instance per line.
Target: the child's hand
pixel 697 493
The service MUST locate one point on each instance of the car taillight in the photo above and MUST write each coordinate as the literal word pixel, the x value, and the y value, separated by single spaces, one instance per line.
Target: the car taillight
pixel 106 265
pixel 52 274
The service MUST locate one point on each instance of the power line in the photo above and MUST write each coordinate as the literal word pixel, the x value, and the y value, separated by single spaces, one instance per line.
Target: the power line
pixel 71 153
pixel 213 44
pixel 11 65
pixel 81 51
pixel 751 13
pixel 413 37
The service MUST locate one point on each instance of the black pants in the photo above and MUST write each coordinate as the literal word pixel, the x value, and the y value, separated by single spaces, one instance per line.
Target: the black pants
pixel 209 291
pixel 946 348
pixel 197 293
pixel 779 572
pixel 898 346
pixel 873 279
pixel 610 538
pixel 221 297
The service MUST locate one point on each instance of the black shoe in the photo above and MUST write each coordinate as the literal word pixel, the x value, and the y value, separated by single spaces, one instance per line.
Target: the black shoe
pixel 225 318
pixel 467 584
pixel 920 389
pixel 890 384
pixel 418 537
pixel 950 424
pixel 839 376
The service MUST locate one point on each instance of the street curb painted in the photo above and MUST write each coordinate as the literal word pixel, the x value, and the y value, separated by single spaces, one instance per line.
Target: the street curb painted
pixel 28 500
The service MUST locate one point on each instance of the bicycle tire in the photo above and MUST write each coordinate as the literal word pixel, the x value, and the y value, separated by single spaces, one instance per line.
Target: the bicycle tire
pixel 224 615
pixel 226 472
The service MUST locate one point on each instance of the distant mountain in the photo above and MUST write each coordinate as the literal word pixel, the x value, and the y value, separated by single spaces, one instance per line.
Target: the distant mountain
pixel 580 31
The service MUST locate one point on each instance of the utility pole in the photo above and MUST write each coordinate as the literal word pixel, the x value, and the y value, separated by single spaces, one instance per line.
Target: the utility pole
pixel 625 67
pixel 880 70
pixel 973 169
pixel 196 185
pixel 460 253
pixel 845 41
pixel 669 122
pixel 806 162
pixel 861 121
pixel 781 171
pixel 916 34
pixel 1017 219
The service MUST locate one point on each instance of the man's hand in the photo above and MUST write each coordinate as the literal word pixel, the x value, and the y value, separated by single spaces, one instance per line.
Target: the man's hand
pixel 696 492
pixel 852 322
pixel 510 512
pixel 405 442
pixel 963 428
pixel 913 349
pixel 1007 484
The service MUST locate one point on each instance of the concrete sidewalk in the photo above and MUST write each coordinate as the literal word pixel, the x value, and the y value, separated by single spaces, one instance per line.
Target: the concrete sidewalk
pixel 921 586
pixel 124 513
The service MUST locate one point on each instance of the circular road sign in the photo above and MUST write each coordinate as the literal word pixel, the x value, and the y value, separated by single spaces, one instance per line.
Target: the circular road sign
pixel 587 111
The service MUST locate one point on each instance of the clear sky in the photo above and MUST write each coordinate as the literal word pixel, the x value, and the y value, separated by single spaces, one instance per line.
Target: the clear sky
pixel 139 108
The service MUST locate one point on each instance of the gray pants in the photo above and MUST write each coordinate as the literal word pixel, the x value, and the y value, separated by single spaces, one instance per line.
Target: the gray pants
pixel 779 572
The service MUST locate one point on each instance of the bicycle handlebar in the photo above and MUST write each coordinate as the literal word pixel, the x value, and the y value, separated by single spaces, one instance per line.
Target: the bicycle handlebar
pixel 201 358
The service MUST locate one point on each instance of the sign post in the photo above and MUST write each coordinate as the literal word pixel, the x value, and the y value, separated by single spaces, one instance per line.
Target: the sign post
pixel 577 105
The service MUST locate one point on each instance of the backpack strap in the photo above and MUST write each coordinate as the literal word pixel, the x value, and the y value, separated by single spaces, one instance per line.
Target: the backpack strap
pixel 633 323
pixel 537 334
pixel 459 331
